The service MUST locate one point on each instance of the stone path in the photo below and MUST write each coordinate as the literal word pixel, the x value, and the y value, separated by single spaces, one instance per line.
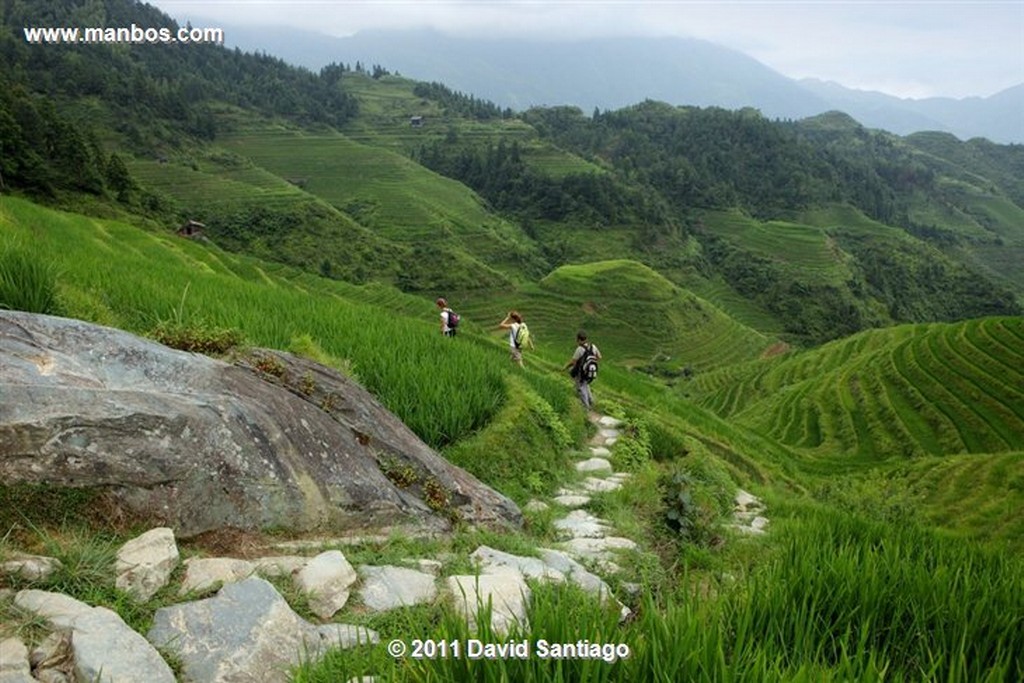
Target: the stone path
pixel 247 631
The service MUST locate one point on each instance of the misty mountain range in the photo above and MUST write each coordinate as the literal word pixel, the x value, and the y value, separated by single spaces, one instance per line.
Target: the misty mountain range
pixel 610 73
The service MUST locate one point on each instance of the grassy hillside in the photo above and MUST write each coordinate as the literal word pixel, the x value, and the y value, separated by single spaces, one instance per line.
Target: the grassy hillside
pixel 119 275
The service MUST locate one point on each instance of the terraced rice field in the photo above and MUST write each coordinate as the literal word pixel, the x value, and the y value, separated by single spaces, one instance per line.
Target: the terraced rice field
pixel 213 188
pixel 909 391
pixel 980 495
pixel 806 250
pixel 632 313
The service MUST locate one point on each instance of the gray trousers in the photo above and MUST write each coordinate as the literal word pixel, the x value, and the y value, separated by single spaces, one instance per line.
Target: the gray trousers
pixel 583 391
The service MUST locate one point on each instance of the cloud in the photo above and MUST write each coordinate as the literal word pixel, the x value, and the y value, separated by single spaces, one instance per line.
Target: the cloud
pixel 907 48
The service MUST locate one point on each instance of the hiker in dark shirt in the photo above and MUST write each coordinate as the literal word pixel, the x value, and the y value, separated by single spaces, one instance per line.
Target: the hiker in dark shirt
pixel 583 368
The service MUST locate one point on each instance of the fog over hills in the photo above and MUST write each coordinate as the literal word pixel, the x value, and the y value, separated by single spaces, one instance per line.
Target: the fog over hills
pixel 610 73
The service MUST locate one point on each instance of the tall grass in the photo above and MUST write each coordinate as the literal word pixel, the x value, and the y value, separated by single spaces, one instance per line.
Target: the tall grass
pixel 28 281
pixel 844 600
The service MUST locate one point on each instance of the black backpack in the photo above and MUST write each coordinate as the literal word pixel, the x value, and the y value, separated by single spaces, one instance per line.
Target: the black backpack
pixel 586 368
pixel 453 319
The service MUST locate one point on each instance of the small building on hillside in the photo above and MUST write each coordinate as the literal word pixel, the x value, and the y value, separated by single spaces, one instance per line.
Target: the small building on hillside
pixel 192 230
pixel 416 121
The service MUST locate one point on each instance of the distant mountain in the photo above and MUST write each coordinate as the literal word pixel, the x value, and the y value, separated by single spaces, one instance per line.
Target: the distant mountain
pixel 610 73
pixel 1000 117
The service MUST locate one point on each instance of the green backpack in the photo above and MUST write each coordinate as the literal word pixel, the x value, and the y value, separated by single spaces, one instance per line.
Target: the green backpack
pixel 522 335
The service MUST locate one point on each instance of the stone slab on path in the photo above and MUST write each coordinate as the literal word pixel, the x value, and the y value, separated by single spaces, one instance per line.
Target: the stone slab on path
pixel 594 465
pixel 595 485
pixel 572 500
pixel 598 549
pixel 247 633
pixel 582 524
pixel 385 588
pixel 496 561
pixel 506 592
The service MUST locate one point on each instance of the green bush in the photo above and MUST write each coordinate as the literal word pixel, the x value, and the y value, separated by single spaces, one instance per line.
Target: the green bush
pixel 28 282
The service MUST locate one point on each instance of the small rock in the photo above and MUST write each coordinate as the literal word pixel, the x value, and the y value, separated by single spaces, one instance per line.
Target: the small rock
pixel 611 441
pixel 386 588
pixel 744 499
pixel 600 451
pixel 31 567
pixel 759 523
pixel 326 580
pixel 535 506
pixel 14 665
pixel 609 433
pixel 506 591
pixel 204 573
pixel 609 421
pixel 594 465
pixel 631 590
pixel 144 564
pixel 279 565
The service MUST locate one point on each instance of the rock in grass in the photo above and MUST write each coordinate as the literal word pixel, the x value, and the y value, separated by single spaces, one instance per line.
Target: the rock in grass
pixel 246 633
pixel 31 567
pixel 144 564
pixel 326 580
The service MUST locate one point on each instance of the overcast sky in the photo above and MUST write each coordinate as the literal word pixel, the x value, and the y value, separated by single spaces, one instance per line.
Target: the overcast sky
pixel 907 49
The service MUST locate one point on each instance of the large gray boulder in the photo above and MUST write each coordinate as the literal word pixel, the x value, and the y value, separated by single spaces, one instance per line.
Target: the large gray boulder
pixel 193 443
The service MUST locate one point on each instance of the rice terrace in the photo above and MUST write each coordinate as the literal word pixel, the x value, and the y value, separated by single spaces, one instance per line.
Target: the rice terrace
pixel 241 437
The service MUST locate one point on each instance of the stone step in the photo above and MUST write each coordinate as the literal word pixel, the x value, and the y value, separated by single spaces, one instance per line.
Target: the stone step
pixel 572 500
pixel 594 465
pixel 582 524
